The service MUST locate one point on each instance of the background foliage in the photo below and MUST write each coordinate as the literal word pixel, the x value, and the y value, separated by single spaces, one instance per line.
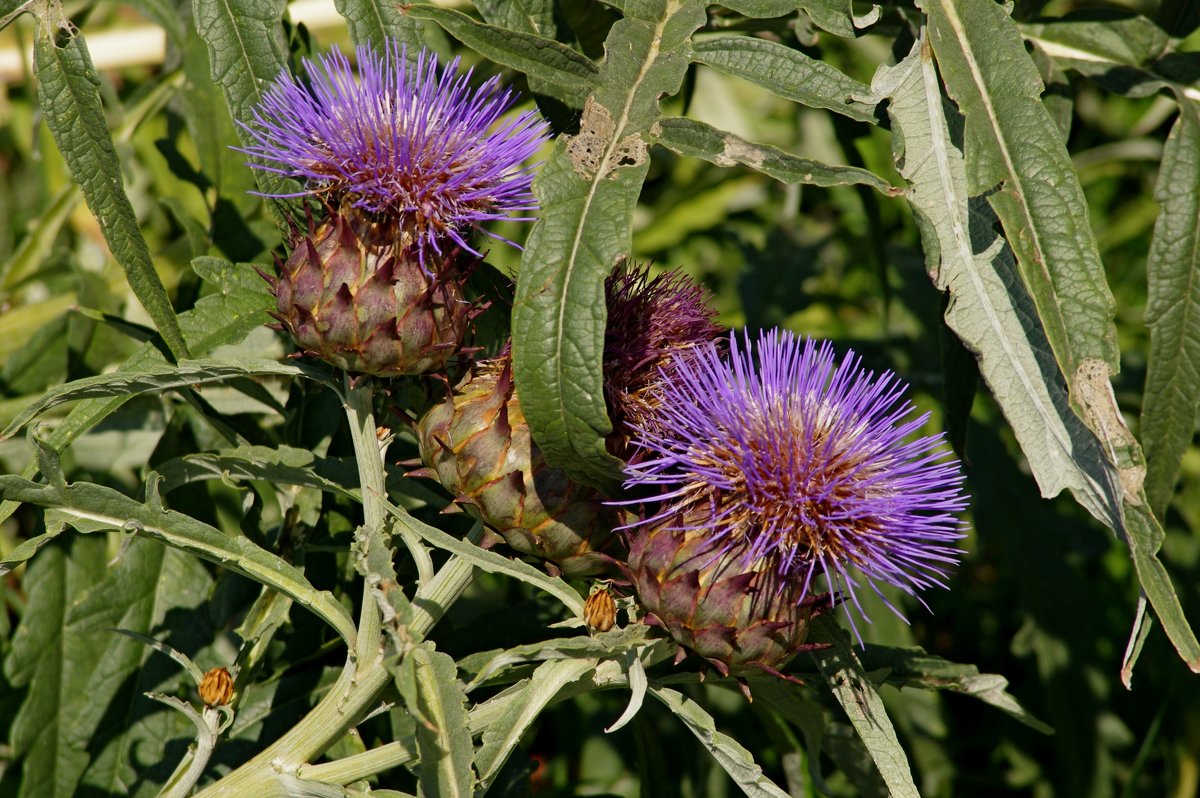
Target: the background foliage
pixel 955 189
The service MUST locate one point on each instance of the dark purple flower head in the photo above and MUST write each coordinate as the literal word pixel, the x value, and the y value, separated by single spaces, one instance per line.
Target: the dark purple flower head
pixel 651 324
pixel 786 461
pixel 402 138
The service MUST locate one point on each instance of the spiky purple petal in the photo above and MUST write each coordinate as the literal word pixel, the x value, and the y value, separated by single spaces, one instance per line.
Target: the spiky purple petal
pixel 784 458
pixel 402 137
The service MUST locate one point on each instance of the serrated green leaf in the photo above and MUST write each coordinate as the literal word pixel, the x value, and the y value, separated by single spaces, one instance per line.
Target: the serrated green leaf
pixel 699 140
pixel 157 378
pixel 371 22
pixel 501 736
pixel 588 192
pixel 1169 407
pixel 563 73
pixel 848 681
pixel 91 507
pixel 428 683
pixel 28 548
pixel 789 74
pixel 491 562
pixel 1013 146
pixel 70 101
pixel 729 753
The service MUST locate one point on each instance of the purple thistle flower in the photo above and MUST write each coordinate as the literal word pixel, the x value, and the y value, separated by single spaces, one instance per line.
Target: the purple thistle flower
pixel 792 466
pixel 652 324
pixel 403 138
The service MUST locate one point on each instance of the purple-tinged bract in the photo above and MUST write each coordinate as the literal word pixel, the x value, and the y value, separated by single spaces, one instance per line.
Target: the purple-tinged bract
pixel 652 324
pixel 771 471
pixel 403 138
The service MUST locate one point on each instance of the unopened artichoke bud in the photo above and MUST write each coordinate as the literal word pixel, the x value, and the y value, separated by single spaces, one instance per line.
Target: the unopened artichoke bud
pixel 771 471
pixel 354 296
pixel 478 445
pixel 737 613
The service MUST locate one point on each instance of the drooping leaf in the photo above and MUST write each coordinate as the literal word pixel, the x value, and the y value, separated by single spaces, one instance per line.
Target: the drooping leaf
pixel 70 101
pixel 699 140
pixel 428 683
pixel 588 192
pixel 90 507
pixel 1169 404
pixel 1119 50
pixel 913 667
pixel 989 308
pixel 992 314
pixel 563 73
pixel 1014 151
pixel 729 753
pixel 845 677
pixel 789 74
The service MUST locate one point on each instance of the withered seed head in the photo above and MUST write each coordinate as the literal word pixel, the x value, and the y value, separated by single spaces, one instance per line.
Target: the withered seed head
pixel 216 688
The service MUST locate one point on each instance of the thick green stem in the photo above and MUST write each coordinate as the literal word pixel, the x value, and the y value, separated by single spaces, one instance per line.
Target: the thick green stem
pixel 362 682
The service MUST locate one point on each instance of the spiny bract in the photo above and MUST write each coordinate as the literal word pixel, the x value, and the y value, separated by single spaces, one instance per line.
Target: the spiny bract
pixel 763 475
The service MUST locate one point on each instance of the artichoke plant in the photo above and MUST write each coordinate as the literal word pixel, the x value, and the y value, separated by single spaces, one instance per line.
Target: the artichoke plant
pixel 763 476
pixel 407 160
pixel 477 444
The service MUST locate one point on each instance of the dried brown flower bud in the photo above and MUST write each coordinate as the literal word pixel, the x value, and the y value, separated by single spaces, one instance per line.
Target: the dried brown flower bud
pixel 600 611
pixel 216 688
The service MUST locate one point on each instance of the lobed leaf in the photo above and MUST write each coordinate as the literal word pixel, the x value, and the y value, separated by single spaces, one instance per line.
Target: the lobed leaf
pixel 563 73
pixel 696 139
pixel 789 74
pixel 428 683
pixel 528 700
pixel 90 507
pixel 588 192
pixel 127 384
pixel 70 100
pixel 1169 404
